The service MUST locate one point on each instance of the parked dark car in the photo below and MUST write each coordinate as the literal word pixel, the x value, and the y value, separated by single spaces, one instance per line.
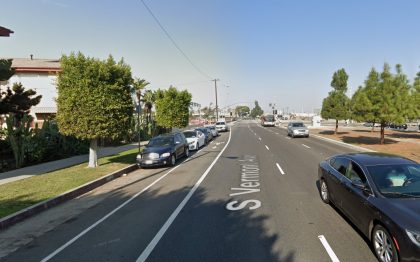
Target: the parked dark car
pixel 380 194
pixel 164 150
pixel 207 132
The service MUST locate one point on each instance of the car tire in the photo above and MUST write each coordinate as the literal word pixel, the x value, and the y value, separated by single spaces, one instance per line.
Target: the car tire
pixel 187 152
pixel 173 160
pixel 383 245
pixel 325 194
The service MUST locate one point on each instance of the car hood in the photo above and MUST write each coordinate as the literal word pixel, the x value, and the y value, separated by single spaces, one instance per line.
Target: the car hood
pixel 159 150
pixel 405 211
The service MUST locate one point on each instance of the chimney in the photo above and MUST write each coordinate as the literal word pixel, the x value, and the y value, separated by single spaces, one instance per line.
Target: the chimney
pixel 32 57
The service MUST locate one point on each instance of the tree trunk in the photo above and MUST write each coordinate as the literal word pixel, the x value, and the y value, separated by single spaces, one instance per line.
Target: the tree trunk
pixel 336 126
pixel 93 153
pixel 382 133
pixel 373 126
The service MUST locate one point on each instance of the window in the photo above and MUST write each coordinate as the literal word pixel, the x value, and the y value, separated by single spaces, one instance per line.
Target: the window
pixel 341 164
pixel 356 174
pixel 178 138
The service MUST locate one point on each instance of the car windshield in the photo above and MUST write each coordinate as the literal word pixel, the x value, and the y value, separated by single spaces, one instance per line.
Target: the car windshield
pixel 220 123
pixel 298 125
pixel 160 141
pixel 396 181
pixel 269 118
pixel 189 134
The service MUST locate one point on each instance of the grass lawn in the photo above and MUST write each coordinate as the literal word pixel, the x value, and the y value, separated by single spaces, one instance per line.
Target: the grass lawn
pixel 20 194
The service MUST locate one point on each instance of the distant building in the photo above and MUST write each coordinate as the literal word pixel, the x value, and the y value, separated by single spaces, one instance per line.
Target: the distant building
pixel 5 32
pixel 39 75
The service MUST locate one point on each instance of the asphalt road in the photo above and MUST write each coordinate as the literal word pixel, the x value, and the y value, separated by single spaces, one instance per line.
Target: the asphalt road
pixel 251 195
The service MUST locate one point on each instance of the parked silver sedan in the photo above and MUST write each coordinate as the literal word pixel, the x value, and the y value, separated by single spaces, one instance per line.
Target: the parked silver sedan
pixel 295 129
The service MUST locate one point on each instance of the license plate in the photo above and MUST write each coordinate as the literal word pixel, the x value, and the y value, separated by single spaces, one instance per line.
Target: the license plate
pixel 148 162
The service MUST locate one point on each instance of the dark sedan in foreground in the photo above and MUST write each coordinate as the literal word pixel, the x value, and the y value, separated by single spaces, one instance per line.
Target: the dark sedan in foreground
pixel 380 194
pixel 164 150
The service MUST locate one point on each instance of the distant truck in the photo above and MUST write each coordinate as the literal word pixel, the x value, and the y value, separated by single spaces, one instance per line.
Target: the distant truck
pixel 268 120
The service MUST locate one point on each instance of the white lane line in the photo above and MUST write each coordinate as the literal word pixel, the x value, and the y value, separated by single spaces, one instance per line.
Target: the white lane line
pixel 327 247
pixel 214 147
pixel 74 239
pixel 267 147
pixel 277 133
pixel 287 137
pixel 145 254
pixel 281 170
pixel 259 138
pixel 305 146
pixel 211 142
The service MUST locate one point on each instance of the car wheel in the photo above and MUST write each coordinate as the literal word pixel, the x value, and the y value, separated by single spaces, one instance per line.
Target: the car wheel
pixel 325 196
pixel 173 160
pixel 383 245
pixel 187 152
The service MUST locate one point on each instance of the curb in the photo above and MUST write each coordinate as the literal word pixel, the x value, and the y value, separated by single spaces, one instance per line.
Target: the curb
pixel 47 204
pixel 343 144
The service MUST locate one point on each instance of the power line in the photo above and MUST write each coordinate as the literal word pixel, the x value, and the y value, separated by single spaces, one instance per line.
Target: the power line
pixel 173 41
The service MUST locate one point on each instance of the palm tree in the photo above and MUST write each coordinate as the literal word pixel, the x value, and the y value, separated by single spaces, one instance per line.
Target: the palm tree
pixel 138 86
pixel 149 100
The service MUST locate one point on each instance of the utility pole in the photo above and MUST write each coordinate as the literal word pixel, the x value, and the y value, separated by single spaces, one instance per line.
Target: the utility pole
pixel 215 91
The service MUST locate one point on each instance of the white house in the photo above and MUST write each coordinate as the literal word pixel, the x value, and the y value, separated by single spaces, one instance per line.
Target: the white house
pixel 39 75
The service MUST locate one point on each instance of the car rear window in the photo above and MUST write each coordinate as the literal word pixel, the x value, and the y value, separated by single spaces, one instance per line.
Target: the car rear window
pixel 220 123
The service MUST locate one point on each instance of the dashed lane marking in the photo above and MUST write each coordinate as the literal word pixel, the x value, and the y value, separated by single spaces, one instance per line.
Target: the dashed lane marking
pixel 327 247
pixel 305 146
pixel 279 167
pixel 267 147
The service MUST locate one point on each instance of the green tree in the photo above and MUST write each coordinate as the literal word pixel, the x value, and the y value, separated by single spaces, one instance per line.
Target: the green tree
pixel 94 99
pixel 19 101
pixel 172 107
pixel 242 110
pixel 416 97
pixel 19 136
pixel 6 70
pixel 392 99
pixel 336 105
pixel 361 106
pixel 256 111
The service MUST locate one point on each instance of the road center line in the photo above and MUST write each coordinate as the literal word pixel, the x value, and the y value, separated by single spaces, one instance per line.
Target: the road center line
pixel 267 147
pixel 145 254
pixel 281 170
pixel 327 247
pixel 305 146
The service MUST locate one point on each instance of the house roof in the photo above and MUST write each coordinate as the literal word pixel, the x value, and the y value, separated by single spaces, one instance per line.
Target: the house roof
pixel 5 32
pixel 35 65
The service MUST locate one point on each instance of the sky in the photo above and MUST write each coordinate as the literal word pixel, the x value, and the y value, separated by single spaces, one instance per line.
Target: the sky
pixel 279 52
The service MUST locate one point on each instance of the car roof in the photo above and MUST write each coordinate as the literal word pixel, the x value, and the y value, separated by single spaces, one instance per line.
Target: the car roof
pixel 373 158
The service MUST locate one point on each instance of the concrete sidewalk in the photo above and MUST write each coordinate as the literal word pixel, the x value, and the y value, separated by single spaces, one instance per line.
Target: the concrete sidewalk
pixel 34 170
